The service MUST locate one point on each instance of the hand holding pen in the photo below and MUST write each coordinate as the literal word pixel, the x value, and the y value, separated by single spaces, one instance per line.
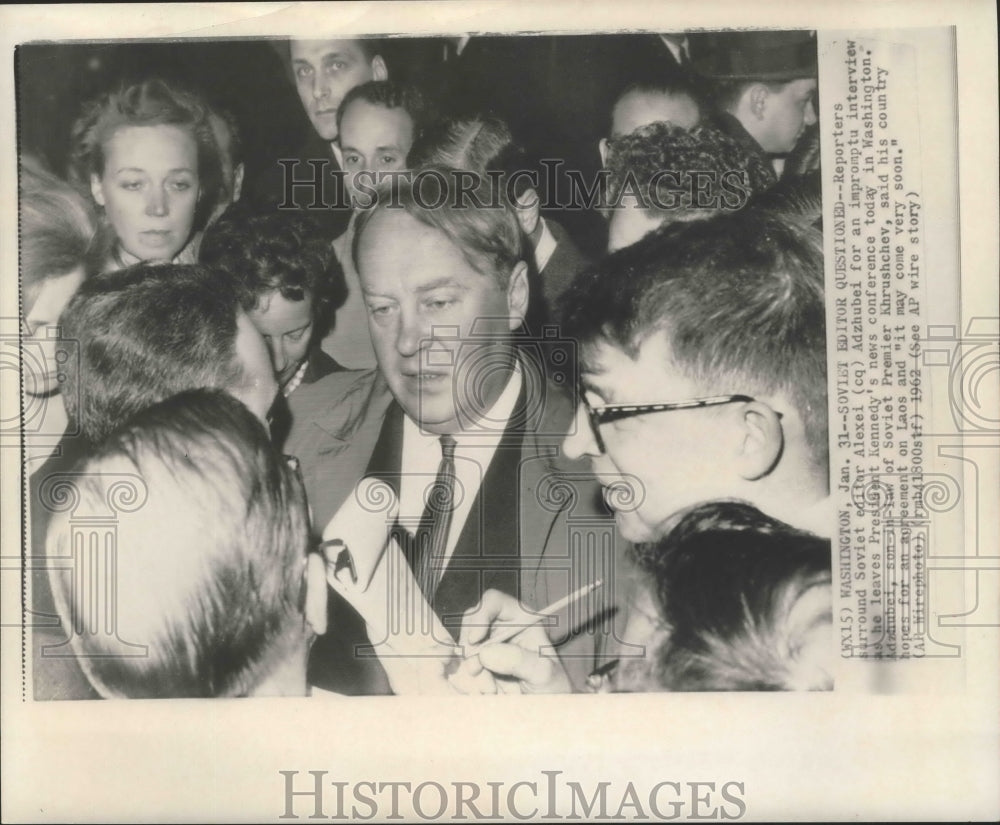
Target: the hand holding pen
pixel 502 639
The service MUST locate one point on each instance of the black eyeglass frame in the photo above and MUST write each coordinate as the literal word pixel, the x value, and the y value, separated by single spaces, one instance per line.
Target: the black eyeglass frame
pixel 607 413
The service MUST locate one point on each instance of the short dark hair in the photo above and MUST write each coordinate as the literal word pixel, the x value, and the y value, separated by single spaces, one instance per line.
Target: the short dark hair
pixel 390 94
pixel 280 251
pixel 153 102
pixel 639 159
pixel 208 485
pixel 726 579
pixel 145 333
pixel 739 297
pixel 488 238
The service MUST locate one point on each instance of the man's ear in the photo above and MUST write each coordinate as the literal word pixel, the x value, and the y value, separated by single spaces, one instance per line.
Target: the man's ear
pixel 602 147
pixel 762 441
pixel 238 173
pixel 517 294
pixel 528 211
pixel 96 191
pixel 379 69
pixel 757 97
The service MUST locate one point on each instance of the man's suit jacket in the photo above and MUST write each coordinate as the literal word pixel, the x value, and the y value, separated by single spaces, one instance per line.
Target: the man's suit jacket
pixel 555 535
pixel 567 260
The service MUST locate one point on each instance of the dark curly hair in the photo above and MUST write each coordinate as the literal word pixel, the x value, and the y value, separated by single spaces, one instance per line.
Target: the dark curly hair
pixel 280 251
pixel 670 168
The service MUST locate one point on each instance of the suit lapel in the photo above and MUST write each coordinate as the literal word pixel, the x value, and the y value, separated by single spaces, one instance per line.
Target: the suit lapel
pixel 335 441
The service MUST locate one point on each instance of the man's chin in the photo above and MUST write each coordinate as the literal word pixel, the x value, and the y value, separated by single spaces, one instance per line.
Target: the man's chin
pixel 325 132
pixel 430 415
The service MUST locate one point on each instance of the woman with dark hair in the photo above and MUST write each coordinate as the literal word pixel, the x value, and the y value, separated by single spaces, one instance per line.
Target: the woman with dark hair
pixel 289 283
pixel 148 154
pixel 57 230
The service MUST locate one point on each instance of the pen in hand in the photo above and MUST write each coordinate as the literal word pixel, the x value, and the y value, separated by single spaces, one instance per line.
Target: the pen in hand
pixel 504 633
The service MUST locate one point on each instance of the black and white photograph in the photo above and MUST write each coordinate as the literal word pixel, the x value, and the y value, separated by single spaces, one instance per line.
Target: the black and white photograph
pixel 365 363
pixel 620 458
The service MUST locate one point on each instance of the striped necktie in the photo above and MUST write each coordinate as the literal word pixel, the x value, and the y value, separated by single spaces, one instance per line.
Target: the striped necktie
pixel 435 523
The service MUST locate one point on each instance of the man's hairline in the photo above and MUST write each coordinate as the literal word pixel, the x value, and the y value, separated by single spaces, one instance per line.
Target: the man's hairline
pixel 502 282
pixel 352 40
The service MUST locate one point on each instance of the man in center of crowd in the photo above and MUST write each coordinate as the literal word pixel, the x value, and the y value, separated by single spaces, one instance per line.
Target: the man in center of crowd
pixel 453 401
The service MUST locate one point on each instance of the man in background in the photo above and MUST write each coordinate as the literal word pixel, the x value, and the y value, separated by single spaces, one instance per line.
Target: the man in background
pixel 672 100
pixel 323 72
pixel 377 122
pixel 764 86
pixel 662 173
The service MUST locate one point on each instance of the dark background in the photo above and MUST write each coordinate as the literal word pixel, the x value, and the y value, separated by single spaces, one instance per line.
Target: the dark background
pixel 554 91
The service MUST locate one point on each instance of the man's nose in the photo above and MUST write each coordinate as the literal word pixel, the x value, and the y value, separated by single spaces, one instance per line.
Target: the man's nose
pixel 580 442
pixel 413 334
pixel 810 117
pixel 321 86
pixel 156 202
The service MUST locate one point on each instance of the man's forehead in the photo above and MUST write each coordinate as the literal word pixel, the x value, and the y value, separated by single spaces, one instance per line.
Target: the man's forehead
pixel 366 118
pixel 413 240
pixel 391 220
pixel 607 368
pixel 319 49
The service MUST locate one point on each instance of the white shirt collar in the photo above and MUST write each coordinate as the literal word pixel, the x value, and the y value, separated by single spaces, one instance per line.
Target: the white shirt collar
pixel 475 448
pixel 677 49
pixel 545 247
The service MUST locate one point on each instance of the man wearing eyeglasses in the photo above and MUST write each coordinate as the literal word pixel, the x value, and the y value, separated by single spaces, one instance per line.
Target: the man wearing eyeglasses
pixel 703 371
pixel 702 377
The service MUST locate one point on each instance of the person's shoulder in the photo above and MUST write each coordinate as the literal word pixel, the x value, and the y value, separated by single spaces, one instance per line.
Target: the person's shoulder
pixel 336 387
pixel 337 405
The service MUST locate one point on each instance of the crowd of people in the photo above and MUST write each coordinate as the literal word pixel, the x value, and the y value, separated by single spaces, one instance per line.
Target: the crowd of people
pixel 384 420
